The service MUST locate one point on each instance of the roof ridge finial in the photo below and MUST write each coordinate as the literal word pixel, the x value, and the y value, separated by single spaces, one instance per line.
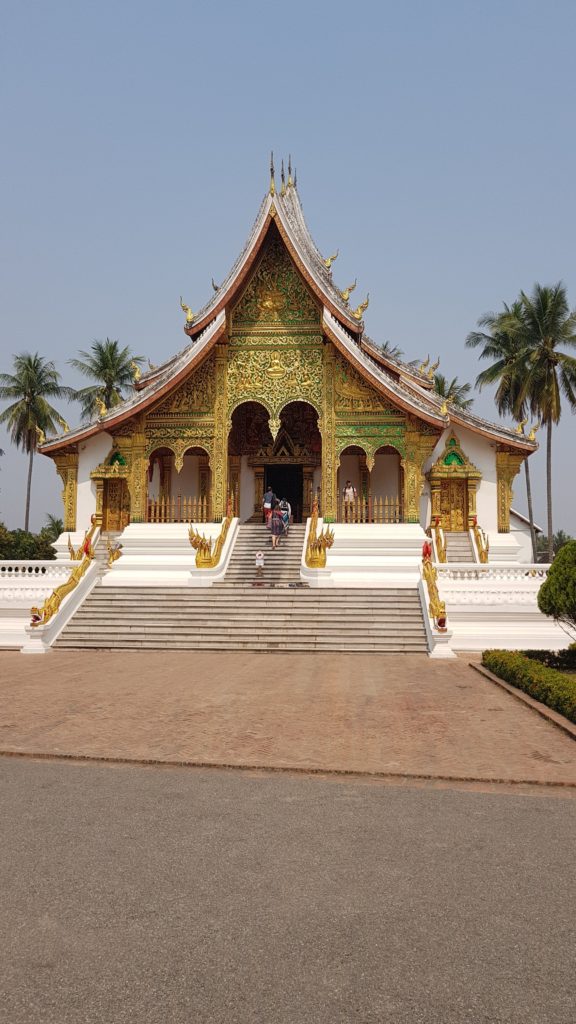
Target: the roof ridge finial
pixel 295 179
pixel 272 182
pixel 290 182
pixel 283 188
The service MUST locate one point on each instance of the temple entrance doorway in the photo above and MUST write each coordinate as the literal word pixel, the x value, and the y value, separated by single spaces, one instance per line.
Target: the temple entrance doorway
pixel 116 505
pixel 287 482
pixel 454 505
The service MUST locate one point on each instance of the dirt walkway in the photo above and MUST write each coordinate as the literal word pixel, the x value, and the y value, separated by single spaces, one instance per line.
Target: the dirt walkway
pixel 366 713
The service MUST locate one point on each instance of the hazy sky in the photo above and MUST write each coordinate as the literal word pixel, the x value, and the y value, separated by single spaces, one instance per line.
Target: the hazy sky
pixel 434 144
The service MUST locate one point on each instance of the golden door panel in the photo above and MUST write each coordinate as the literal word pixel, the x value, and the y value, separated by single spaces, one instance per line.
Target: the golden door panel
pixel 454 505
pixel 116 513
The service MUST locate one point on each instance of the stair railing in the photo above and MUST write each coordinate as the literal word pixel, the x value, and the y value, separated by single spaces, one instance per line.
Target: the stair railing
pixel 40 616
pixel 481 541
pixel 208 551
pixel 436 607
pixel 439 540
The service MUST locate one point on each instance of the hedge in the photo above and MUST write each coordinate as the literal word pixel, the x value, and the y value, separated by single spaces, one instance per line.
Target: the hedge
pixel 564 661
pixel 545 684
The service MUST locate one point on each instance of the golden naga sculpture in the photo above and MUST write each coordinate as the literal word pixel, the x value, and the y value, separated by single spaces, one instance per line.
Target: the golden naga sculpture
pixel 64 425
pixel 482 542
pixel 40 436
pixel 86 547
pixel 436 607
pixel 208 552
pixel 424 365
pixel 330 260
pixel 40 616
pixel 532 434
pixel 136 371
pixel 101 409
pixel 317 544
pixel 521 425
pixel 347 291
pixel 187 310
pixel 358 313
pixel 444 408
pixel 433 369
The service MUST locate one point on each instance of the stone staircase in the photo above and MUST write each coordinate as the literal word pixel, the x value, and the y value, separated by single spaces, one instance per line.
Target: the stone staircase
pixel 281 566
pixel 459 547
pixel 273 612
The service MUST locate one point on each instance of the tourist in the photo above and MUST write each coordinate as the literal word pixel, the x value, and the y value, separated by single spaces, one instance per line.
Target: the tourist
pixel 286 511
pixel 349 494
pixel 276 524
pixel 268 502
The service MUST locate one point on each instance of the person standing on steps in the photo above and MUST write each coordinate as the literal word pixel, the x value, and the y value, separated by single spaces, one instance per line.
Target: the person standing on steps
pixel 286 514
pixel 268 501
pixel 349 494
pixel 276 524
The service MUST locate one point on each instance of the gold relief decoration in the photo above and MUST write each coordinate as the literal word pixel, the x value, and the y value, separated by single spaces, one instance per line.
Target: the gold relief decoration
pixel 276 294
pixel 195 395
pixel 274 378
pixel 67 469
pixel 453 461
pixel 327 427
pixel 221 430
pixel 507 466
pixel 370 437
pixel 353 394
pixel 420 443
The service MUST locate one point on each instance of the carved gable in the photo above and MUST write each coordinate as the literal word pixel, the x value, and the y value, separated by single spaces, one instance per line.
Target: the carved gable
pixel 276 297
pixel 195 395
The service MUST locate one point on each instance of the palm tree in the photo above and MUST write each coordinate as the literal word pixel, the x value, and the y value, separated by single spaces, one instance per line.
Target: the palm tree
pixel 387 349
pixel 501 341
pixel 113 368
pixel 452 392
pixel 54 526
pixel 30 416
pixel 548 323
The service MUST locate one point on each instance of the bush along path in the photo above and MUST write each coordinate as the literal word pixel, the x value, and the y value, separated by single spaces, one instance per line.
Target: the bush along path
pixel 553 688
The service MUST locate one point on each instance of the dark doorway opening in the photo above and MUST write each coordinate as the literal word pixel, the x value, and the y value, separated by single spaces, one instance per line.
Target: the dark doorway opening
pixel 287 482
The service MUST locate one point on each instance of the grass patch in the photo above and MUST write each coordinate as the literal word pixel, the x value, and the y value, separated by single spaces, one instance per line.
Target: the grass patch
pixel 553 688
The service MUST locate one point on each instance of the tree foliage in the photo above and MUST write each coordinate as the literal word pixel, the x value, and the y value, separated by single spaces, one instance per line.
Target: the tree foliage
pixel 557 595
pixel 25 545
pixel 453 392
pixel 114 371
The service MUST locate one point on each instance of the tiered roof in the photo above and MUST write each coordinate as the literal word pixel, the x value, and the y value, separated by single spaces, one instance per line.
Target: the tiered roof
pixel 407 387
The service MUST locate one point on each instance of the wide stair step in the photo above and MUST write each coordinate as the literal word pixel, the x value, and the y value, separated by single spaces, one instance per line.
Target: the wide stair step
pixel 270 612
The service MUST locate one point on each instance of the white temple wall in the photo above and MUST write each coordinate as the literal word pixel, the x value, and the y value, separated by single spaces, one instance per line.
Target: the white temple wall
pixel 92 452
pixel 246 490
pixel 384 477
pixel 482 453
pixel 187 482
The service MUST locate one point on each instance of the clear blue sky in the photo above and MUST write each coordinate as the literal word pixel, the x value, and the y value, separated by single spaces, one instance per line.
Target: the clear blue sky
pixel 434 144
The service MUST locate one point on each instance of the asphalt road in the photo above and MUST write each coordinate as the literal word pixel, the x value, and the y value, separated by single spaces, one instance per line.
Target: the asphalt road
pixel 177 896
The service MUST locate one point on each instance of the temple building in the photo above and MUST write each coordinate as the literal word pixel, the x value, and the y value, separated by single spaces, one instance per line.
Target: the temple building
pixel 280 385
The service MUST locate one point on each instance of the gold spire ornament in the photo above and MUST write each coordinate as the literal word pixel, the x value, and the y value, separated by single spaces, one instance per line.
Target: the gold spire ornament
pixel 136 371
pixel 272 182
pixel 423 366
pixel 358 313
pixel 290 179
pixel 328 262
pixel 521 425
pixel 188 311
pixel 444 408
pixel 101 409
pixel 347 291
pixel 282 179
pixel 433 369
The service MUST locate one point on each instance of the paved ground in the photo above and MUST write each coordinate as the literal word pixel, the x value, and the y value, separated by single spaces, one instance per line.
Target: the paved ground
pixel 182 896
pixel 368 713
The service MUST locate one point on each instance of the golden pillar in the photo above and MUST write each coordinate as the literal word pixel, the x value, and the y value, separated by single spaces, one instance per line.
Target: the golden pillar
pixel 221 431
pixel 67 469
pixel 138 479
pixel 327 425
pixel 507 466
pixel 419 446
pixel 166 462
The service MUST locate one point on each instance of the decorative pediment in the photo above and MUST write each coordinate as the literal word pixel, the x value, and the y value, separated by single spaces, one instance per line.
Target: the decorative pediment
pixel 196 395
pixel 114 466
pixel 453 462
pixel 353 394
pixel 275 295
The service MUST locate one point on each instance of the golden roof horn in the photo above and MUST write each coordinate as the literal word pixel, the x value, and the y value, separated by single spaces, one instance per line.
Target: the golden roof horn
pixel 424 365
pixel 358 313
pixel 532 434
pixel 272 182
pixel 521 425
pixel 433 369
pixel 328 262
pixel 136 371
pixel 346 293
pixel 188 311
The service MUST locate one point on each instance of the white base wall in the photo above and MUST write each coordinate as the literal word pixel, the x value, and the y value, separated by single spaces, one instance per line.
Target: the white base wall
pixel 369 555
pixel 160 554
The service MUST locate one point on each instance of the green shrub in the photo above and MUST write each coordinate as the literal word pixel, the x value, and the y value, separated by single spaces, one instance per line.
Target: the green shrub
pixel 545 684
pixel 564 661
pixel 557 595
